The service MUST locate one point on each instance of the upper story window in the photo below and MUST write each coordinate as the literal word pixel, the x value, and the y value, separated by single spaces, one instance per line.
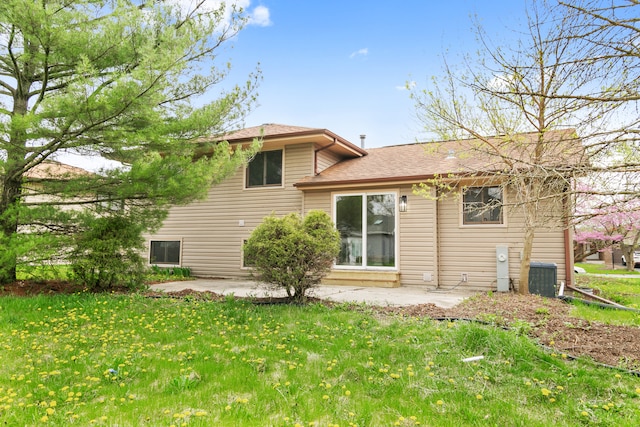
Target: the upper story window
pixel 265 169
pixel 482 205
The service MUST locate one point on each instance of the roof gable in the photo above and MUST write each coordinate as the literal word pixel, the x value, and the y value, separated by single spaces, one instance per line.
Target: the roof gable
pixel 270 132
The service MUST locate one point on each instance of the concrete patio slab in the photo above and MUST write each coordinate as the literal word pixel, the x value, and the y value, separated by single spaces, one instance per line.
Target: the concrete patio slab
pixel 402 296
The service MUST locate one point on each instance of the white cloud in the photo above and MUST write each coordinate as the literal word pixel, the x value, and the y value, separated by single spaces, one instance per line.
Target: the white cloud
pixel 361 52
pixel 260 17
pixel 407 86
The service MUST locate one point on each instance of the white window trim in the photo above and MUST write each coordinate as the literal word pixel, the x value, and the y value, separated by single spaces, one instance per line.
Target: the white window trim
pixel 265 187
pixel 242 266
pixel 484 225
pixel 396 193
pixel 168 239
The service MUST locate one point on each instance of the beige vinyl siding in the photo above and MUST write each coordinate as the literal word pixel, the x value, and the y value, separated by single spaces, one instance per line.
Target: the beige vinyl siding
pixel 325 159
pixel 472 249
pixel 317 200
pixel 417 243
pixel 212 230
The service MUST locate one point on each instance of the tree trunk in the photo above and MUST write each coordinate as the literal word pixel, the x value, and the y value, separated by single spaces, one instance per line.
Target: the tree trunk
pixel 11 189
pixel 627 251
pixel 12 180
pixel 523 286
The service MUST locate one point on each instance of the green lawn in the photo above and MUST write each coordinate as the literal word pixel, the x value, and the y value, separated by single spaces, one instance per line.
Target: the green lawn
pixel 110 360
pixel 625 291
pixel 594 268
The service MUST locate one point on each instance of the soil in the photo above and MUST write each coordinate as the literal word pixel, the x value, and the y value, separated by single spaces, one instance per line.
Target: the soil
pixel 547 320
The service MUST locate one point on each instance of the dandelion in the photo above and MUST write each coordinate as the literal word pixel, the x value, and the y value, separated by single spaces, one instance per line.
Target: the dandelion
pixel 545 392
pixel 439 402
pixel 479 396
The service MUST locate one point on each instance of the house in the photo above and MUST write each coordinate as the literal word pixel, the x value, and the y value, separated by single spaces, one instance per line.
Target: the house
pixel 34 191
pixel 390 236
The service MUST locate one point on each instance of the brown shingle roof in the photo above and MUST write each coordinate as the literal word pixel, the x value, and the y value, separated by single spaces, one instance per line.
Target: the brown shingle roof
pixel 269 129
pixel 50 169
pixel 274 131
pixel 415 162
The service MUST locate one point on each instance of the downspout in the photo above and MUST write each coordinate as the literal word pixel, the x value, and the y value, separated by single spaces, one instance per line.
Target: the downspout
pixel 568 242
pixel 436 229
pixel 315 156
pixel 568 259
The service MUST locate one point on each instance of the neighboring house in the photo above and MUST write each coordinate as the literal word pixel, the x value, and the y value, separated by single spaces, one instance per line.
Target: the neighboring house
pixel 390 236
pixel 50 170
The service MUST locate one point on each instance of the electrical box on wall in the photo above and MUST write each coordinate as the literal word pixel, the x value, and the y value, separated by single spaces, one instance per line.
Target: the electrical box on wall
pixel 502 268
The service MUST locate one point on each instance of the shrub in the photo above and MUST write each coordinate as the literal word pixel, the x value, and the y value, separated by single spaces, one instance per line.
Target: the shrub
pixel 107 255
pixel 293 253
pixel 168 273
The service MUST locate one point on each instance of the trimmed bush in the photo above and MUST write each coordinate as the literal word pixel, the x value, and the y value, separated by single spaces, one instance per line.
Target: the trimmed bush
pixel 293 253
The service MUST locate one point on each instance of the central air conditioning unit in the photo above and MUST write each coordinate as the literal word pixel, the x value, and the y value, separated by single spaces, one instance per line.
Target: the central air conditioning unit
pixel 502 268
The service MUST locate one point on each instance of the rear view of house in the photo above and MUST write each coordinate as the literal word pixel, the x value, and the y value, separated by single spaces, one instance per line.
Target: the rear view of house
pixel 390 235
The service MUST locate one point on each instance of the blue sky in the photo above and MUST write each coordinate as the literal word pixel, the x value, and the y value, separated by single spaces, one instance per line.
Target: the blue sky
pixel 343 65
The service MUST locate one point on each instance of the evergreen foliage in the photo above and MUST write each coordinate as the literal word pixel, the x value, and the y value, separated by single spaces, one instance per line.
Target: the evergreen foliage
pixel 106 254
pixel 131 81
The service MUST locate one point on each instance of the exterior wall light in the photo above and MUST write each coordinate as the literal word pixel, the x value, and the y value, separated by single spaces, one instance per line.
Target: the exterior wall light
pixel 403 203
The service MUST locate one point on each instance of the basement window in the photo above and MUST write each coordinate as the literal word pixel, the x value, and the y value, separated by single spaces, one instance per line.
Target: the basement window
pixel 165 252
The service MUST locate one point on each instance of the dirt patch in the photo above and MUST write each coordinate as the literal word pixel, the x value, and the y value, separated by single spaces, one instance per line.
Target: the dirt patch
pixel 550 322
pixel 49 287
pixel 547 320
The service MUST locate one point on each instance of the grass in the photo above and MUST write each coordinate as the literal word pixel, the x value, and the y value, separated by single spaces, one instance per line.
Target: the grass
pixel 43 272
pixel 61 272
pixel 126 360
pixel 624 291
pixel 593 268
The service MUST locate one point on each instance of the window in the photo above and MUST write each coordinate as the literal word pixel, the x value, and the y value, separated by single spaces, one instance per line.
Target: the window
pixel 165 252
pixel 367 226
pixel 265 169
pixel 482 205
pixel 247 262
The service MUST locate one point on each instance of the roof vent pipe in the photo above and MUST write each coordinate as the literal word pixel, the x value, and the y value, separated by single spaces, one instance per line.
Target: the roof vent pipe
pixel 362 138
